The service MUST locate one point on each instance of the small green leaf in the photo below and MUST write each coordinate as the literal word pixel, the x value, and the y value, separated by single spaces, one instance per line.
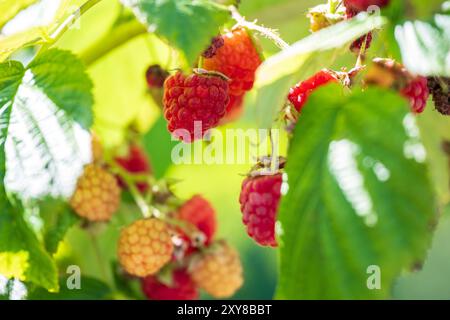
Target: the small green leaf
pixel 359 196
pixel 189 25
pixel 58 218
pixel 297 62
pixel 48 108
pixel 427 43
pixel 21 254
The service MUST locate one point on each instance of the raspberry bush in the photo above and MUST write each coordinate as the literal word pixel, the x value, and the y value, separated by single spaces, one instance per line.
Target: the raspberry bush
pixel 116 157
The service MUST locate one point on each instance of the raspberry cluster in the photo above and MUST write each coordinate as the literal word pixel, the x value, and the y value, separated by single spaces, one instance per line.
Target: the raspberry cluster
pixel 148 249
pixel 197 102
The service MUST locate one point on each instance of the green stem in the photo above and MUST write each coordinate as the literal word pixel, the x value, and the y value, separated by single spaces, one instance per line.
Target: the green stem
pixel 116 37
pixel 131 185
pixel 70 20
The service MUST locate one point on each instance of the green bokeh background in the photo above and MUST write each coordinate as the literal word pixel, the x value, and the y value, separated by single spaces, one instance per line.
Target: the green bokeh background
pixel 121 99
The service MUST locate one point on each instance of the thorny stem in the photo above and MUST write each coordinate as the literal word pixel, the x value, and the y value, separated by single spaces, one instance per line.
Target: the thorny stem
pixel 268 33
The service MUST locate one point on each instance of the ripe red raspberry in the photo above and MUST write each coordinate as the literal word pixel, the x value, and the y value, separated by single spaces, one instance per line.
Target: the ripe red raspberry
pixel 238 59
pixel 218 272
pixel 417 93
pixel 194 100
pixel 181 288
pixel 135 162
pixel 216 43
pixel 156 76
pixel 439 88
pixel 299 94
pixel 362 5
pixel 388 73
pixel 145 247
pixel 97 195
pixel 259 201
pixel 201 214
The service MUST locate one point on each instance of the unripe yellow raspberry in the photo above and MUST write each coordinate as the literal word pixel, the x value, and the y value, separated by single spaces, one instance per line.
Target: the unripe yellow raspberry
pixel 145 247
pixel 219 273
pixel 97 195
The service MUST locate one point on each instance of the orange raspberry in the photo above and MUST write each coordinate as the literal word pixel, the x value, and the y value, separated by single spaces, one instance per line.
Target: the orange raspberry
pixel 238 59
pixel 145 247
pixel 219 272
pixel 97 195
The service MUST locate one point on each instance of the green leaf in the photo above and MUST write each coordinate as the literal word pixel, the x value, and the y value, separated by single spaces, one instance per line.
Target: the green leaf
pixel 21 254
pixel 47 142
pixel 359 195
pixel 189 25
pixel 427 43
pixel 9 82
pixel 43 108
pixel 299 61
pixel 58 218
pixel 91 289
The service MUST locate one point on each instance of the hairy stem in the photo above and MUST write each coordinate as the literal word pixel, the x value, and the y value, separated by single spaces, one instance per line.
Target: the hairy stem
pixel 268 33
